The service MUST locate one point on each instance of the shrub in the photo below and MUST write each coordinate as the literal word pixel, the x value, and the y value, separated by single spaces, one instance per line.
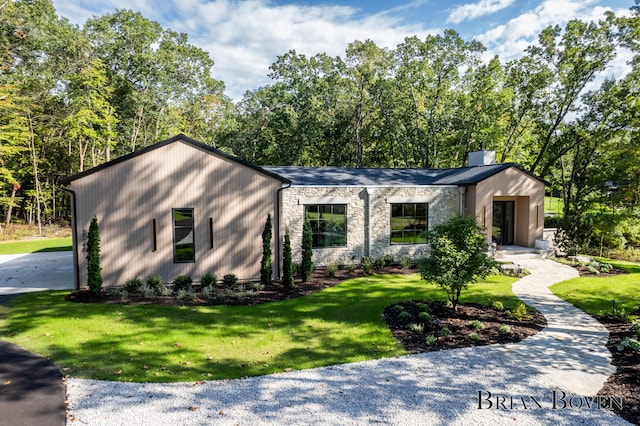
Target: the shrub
pixel 351 268
pixel 430 339
pixel 165 290
pixel 404 315
pixel 405 262
pixel 287 264
pixel 181 282
pixel 629 343
pixel 208 279
pixel 388 259
pixel 422 307
pixel 495 305
pixel 132 286
pixel 445 331
pixel 266 267
pixel 124 294
pixel 504 329
pixel 397 308
pixel 476 325
pixel 208 291
pixel 94 270
pixel 332 268
pixel 417 328
pixel 519 312
pixel 592 270
pixel 365 265
pixel 424 316
pixel 307 252
pixel 474 336
pixel 229 280
pixel 154 282
pixel 458 256
pixel 379 263
pixel 147 291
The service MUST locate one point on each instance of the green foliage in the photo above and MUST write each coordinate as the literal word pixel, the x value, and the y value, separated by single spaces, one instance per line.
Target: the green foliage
pixel 154 282
pixel 397 308
pixel 266 267
pixel 458 256
pixel 287 264
pixel 133 285
pixel 365 265
pixel 229 280
pixel 629 343
pixel 306 267
pixel 504 328
pixel 388 259
pixel 405 262
pixel 379 263
pixel 519 313
pixel 430 339
pixel 476 324
pixel 404 315
pixel 445 331
pixel 181 282
pixel 424 316
pixel 351 267
pixel 474 336
pixel 208 280
pixel 416 328
pixel 332 268
pixel 94 269
pixel 495 304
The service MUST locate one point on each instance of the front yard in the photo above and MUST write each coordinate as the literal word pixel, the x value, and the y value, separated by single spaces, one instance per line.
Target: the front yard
pixel 148 343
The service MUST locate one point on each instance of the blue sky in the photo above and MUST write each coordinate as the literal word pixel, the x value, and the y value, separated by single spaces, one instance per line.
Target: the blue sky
pixel 244 37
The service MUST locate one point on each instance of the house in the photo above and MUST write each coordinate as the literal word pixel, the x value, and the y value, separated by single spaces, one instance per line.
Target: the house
pixel 183 207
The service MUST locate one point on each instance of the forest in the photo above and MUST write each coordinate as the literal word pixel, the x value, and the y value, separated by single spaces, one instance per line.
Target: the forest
pixel 72 98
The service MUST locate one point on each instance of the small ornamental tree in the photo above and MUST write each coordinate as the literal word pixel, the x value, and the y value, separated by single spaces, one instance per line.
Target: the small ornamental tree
pixel 94 270
pixel 306 267
pixel 458 256
pixel 287 264
pixel 266 267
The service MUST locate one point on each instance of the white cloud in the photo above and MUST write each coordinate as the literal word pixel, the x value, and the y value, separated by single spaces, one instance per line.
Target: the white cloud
pixel 471 11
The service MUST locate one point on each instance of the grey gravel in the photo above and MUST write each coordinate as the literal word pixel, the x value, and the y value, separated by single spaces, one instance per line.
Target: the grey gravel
pixel 568 359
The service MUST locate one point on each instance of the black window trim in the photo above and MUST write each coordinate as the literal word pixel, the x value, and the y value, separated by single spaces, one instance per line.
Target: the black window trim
pixel 391 217
pixel 173 225
pixel 346 228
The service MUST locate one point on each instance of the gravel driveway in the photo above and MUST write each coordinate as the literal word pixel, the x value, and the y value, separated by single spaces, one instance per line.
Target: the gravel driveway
pixel 540 381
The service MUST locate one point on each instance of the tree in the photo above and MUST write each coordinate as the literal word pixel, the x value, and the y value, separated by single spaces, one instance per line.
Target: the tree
pixel 94 270
pixel 458 256
pixel 307 253
pixel 266 267
pixel 287 263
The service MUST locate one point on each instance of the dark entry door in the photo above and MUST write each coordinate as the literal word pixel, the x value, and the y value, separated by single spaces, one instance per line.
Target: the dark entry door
pixel 503 220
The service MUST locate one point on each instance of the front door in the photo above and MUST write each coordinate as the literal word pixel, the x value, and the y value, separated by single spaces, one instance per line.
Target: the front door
pixel 503 222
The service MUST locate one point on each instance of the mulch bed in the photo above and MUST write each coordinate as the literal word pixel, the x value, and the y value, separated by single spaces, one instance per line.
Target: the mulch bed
pixel 625 383
pixel 459 331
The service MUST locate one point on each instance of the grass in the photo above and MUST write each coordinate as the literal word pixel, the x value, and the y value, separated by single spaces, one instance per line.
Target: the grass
pixel 594 294
pixel 36 246
pixel 553 205
pixel 168 344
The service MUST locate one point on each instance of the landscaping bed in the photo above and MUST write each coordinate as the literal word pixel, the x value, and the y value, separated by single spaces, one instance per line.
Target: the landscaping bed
pixel 445 328
pixel 625 382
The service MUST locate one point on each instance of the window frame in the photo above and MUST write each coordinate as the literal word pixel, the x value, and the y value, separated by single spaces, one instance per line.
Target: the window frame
pixel 315 229
pixel 404 217
pixel 175 227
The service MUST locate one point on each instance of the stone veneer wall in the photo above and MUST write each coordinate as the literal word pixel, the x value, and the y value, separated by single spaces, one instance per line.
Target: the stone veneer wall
pixel 368 218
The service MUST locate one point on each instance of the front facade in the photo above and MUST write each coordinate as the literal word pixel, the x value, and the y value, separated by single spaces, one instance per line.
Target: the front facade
pixel 182 207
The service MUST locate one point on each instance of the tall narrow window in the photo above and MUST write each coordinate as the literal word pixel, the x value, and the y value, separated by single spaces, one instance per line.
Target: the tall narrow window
pixel 184 249
pixel 155 238
pixel 408 223
pixel 328 224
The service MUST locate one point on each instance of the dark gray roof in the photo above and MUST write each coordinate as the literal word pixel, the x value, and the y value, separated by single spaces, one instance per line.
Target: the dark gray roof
pixel 336 176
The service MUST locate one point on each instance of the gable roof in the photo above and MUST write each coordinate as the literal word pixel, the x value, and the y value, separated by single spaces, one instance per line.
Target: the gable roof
pixel 341 176
pixel 180 137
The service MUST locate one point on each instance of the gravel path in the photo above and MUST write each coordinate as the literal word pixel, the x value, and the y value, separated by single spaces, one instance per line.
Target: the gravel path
pixel 540 381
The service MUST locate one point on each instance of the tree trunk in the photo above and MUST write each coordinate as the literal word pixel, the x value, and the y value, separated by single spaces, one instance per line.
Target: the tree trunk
pixel 7 220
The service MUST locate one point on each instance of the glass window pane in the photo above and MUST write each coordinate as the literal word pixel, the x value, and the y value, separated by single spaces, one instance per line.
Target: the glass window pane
pixel 328 224
pixel 183 241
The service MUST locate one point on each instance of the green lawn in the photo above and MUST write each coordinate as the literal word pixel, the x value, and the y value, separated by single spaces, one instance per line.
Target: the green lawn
pixel 553 205
pixel 167 344
pixel 594 294
pixel 33 246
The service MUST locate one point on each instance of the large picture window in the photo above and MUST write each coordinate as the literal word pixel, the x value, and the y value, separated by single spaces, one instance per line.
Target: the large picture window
pixel 328 224
pixel 184 249
pixel 408 222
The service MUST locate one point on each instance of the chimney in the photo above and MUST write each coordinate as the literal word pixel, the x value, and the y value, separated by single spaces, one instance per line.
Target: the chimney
pixel 482 158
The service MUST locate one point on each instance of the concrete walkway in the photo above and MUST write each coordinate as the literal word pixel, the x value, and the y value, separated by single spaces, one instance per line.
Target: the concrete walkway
pixel 24 273
pixel 541 381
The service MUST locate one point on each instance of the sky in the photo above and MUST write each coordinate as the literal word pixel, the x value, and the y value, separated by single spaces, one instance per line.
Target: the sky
pixel 244 37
